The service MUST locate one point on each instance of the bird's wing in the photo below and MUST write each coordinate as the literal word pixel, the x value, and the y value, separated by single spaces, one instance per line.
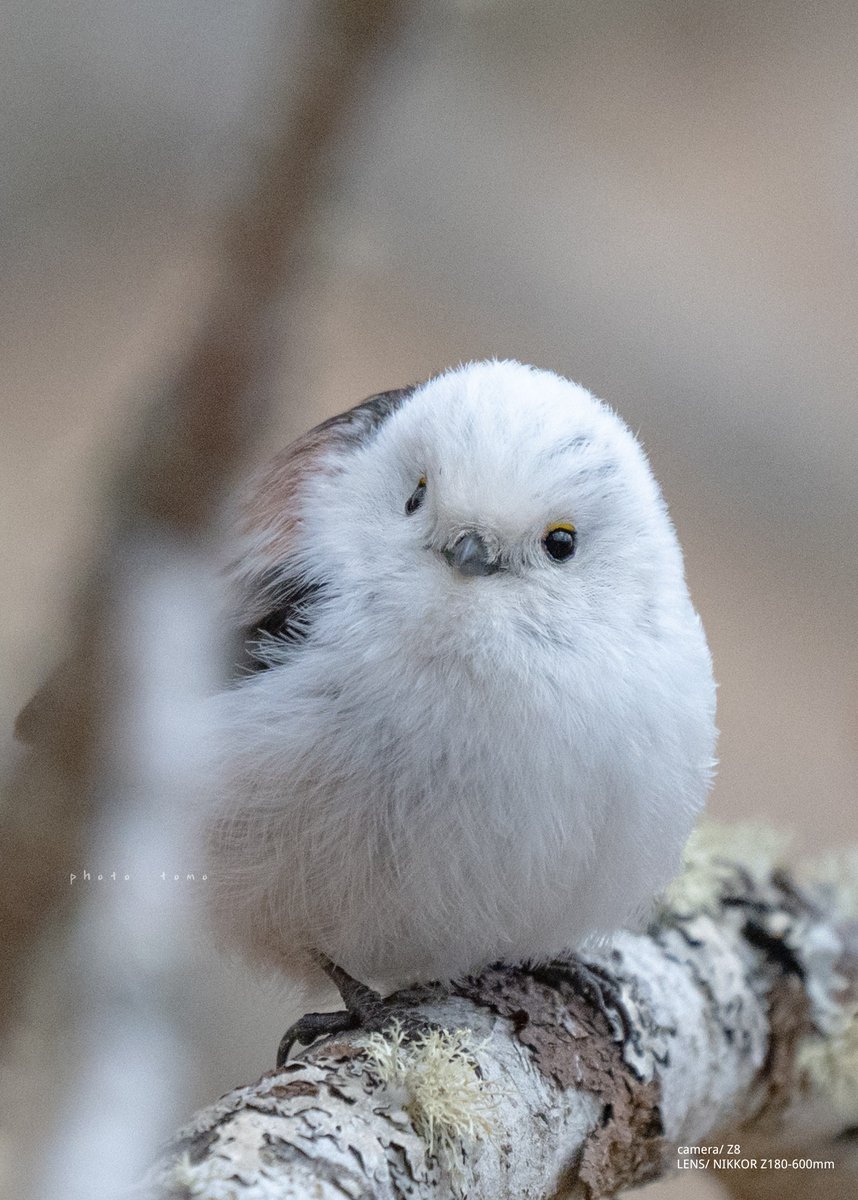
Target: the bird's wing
pixel 275 603
pixel 271 604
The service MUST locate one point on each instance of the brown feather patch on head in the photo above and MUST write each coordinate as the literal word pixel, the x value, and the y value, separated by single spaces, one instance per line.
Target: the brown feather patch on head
pixel 272 501
pixel 268 516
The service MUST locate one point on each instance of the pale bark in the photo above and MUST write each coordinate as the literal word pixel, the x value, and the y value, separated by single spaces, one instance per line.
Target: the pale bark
pixel 740 1002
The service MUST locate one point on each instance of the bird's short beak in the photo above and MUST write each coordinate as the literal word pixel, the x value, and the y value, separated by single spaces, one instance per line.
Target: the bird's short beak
pixel 470 555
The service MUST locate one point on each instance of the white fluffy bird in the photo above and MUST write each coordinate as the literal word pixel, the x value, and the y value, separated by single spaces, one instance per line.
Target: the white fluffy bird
pixel 478 722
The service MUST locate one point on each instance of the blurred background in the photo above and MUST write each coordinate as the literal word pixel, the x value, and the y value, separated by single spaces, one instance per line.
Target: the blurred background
pixel 656 198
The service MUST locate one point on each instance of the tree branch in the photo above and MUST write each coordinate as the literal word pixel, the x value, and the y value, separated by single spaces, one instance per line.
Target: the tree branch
pixel 741 1003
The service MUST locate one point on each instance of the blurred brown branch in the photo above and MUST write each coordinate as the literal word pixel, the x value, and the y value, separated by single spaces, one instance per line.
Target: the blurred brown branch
pixel 200 424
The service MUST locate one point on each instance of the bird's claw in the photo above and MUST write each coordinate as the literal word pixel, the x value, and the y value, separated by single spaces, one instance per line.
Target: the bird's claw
pixel 312 1026
pixel 365 1009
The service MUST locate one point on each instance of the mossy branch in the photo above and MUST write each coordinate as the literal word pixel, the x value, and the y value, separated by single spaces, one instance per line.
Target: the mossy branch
pixel 741 1002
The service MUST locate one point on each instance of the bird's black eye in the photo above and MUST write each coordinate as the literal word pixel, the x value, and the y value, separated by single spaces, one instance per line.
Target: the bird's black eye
pixel 417 496
pixel 560 541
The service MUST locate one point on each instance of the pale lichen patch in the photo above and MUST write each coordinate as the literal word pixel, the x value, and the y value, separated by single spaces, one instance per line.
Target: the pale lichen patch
pixel 434 1078
pixel 830 1065
pixel 835 876
pixel 712 857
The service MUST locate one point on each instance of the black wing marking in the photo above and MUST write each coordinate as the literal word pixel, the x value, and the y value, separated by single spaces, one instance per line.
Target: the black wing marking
pixel 285 606
pixel 287 621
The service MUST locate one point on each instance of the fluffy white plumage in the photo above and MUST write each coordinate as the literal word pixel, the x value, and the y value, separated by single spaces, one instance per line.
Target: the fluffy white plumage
pixel 436 770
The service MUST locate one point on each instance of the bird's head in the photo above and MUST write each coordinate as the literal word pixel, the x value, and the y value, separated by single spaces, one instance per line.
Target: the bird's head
pixel 492 502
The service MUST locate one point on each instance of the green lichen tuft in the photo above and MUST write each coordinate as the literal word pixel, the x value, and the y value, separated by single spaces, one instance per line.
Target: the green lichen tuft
pixel 713 856
pixel 434 1077
pixel 830 1065
pixel 836 875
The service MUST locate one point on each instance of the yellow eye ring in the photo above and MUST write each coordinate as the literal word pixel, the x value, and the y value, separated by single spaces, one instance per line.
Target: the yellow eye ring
pixel 417 496
pixel 560 541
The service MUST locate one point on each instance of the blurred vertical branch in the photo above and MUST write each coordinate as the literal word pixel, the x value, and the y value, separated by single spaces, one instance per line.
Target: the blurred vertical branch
pixel 170 488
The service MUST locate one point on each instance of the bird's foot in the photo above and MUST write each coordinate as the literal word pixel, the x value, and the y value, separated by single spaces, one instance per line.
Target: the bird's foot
pixel 312 1026
pixel 364 1009
pixel 592 982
